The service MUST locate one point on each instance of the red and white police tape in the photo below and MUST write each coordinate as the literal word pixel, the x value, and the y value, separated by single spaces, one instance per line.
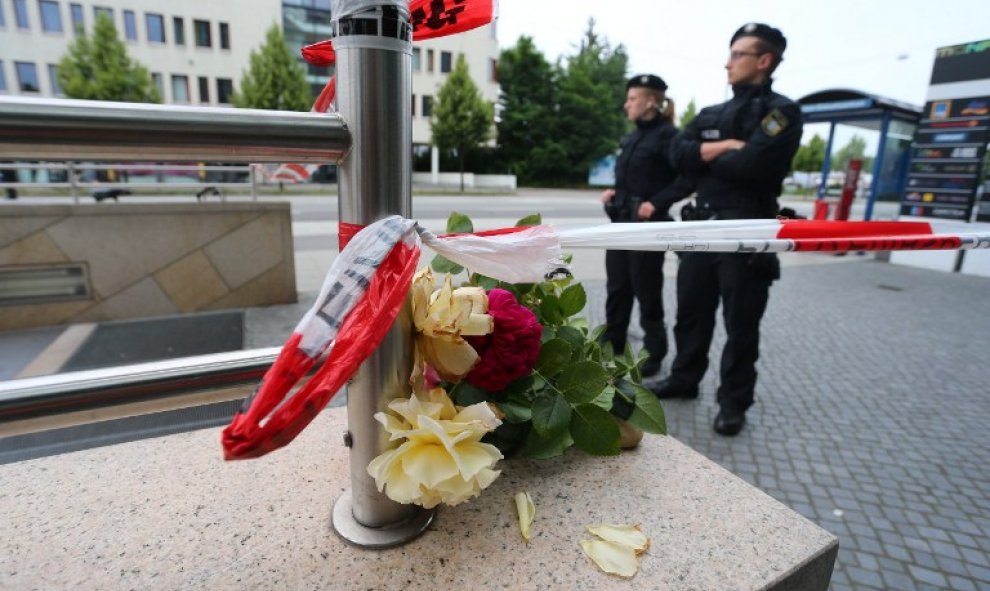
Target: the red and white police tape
pixel 367 284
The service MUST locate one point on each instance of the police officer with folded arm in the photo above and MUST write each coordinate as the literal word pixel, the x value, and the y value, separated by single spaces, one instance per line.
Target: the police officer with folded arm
pixel 738 154
pixel 644 190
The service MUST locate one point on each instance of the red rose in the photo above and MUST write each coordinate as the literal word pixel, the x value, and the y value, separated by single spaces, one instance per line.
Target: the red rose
pixel 511 350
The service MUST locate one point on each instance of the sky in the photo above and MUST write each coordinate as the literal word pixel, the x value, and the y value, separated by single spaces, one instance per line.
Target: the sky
pixel 883 47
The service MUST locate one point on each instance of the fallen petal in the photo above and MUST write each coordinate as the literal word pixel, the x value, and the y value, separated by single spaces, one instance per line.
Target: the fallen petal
pixel 527 511
pixel 611 557
pixel 627 535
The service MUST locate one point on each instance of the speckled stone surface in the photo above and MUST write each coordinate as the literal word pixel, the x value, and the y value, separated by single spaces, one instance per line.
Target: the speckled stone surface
pixel 169 513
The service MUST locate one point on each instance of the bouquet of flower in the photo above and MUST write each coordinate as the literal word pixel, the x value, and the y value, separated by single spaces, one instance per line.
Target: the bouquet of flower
pixel 503 369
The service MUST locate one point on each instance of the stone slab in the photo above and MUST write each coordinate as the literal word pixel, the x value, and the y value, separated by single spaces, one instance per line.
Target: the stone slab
pixel 168 513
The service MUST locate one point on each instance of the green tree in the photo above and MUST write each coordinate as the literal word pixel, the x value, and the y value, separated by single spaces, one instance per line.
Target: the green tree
pixel 689 112
pixel 98 68
pixel 527 134
pixel 854 148
pixel 592 90
pixel 810 156
pixel 275 79
pixel 461 119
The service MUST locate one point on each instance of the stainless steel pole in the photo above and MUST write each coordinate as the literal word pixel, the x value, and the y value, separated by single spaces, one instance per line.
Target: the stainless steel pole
pixel 374 71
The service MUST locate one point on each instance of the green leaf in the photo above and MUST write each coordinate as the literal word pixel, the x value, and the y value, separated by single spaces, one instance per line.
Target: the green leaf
pixel 486 283
pixel 516 411
pixel 550 312
pixel 541 448
pixel 458 222
pixel 582 382
pixel 554 355
pixel 464 394
pixel 594 430
pixel 520 387
pixel 442 264
pixel 597 333
pixel 573 300
pixel 533 219
pixel 550 414
pixel 574 337
pixel 648 414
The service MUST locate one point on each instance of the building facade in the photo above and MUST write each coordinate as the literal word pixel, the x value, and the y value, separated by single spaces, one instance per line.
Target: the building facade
pixel 197 51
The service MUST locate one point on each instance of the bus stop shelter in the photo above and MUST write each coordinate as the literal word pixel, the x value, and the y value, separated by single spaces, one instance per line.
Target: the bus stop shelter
pixel 896 122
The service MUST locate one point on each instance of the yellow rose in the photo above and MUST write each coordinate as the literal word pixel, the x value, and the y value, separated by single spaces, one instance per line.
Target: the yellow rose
pixel 441 459
pixel 442 318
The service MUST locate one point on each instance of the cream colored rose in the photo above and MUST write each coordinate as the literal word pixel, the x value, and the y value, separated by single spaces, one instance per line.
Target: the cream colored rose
pixel 442 318
pixel 441 459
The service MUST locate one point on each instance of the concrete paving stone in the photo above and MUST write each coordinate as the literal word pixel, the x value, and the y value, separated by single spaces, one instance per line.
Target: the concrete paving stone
pixel 979 572
pixel 916 544
pixel 951 566
pixel 963 540
pixel 945 549
pixel 897 580
pixel 924 559
pixel 979 557
pixel 863 578
pixel 890 564
pixel 928 576
pixel 867 561
pixel 961 584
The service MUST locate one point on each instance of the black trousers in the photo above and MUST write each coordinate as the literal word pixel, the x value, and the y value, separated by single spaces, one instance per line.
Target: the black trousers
pixel 742 283
pixel 633 273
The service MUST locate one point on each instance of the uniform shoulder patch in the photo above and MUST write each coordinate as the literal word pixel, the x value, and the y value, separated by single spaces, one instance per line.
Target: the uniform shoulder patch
pixel 774 123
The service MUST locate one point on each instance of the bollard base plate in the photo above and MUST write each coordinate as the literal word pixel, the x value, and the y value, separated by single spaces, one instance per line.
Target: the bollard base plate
pixel 376 538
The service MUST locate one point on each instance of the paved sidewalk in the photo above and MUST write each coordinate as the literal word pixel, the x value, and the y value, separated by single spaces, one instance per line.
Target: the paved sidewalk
pixel 871 417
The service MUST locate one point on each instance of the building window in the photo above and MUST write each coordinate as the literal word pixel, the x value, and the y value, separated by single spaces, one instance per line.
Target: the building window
pixel 493 70
pixel 78 21
pixel 3 79
pixel 417 59
pixel 224 36
pixel 204 89
pixel 3 20
pixel 429 60
pixel 179 30
pixel 156 79
pixel 225 88
pixel 445 61
pixel 414 106
pixel 98 10
pixel 130 25
pixel 27 77
pixel 155 24
pixel 180 89
pixel 21 14
pixel 51 17
pixel 53 77
pixel 427 106
pixel 202 29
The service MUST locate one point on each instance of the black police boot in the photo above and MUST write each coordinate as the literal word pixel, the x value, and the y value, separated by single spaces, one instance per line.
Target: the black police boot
pixel 672 388
pixel 729 422
pixel 651 366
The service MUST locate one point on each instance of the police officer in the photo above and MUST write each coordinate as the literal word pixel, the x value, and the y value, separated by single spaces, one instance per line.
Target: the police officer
pixel 642 174
pixel 738 154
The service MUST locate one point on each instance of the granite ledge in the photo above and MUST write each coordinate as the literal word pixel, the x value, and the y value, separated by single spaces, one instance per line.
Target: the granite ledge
pixel 169 513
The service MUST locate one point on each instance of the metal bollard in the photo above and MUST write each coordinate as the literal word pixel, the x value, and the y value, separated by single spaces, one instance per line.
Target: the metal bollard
pixel 373 44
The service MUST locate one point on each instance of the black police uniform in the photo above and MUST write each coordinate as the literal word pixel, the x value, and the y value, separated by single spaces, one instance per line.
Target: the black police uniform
pixel 642 173
pixel 741 184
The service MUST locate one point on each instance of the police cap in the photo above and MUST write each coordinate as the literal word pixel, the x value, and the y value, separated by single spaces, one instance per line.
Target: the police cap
pixel 647 81
pixel 768 34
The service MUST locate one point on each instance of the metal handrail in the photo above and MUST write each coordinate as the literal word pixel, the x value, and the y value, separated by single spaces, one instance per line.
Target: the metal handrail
pixel 41 403
pixel 67 129
pixel 72 130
